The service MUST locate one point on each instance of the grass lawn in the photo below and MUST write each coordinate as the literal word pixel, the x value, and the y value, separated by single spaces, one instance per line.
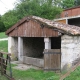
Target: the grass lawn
pixel 4 46
pixel 74 75
pixel 2 77
pixel 2 35
pixel 32 74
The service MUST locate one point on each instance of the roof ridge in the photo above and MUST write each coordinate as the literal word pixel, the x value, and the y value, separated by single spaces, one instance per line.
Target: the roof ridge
pixel 63 28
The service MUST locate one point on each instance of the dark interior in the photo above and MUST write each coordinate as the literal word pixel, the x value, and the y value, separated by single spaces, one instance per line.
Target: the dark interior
pixel 56 43
pixel 74 21
pixel 34 47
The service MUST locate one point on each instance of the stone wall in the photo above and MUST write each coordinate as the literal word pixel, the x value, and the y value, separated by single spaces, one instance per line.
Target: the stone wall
pixel 34 61
pixel 33 47
pixel 70 51
pixel 13 47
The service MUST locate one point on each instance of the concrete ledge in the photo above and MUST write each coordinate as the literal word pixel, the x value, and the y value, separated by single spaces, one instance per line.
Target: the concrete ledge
pixel 33 61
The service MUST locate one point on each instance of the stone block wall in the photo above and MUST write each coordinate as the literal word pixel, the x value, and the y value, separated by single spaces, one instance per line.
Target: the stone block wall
pixel 34 61
pixel 13 47
pixel 70 51
pixel 33 47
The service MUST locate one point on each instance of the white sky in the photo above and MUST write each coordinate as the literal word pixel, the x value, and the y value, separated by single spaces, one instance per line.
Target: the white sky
pixel 6 5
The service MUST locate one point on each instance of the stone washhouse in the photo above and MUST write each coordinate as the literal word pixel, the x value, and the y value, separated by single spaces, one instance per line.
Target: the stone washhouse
pixel 44 43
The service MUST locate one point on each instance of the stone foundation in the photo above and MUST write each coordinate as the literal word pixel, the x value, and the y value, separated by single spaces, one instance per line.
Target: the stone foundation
pixel 34 61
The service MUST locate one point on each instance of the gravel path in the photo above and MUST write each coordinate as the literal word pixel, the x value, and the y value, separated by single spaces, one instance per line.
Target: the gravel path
pixel 3 39
pixel 20 66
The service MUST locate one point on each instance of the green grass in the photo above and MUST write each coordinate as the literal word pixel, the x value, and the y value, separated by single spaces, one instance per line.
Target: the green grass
pixel 32 74
pixel 2 77
pixel 74 75
pixel 4 46
pixel 2 35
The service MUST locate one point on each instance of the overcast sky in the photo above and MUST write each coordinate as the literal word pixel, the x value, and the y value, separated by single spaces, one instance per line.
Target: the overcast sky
pixel 6 5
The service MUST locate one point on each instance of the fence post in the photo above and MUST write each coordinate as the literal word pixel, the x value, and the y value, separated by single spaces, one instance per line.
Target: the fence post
pixel 1 63
pixel 4 64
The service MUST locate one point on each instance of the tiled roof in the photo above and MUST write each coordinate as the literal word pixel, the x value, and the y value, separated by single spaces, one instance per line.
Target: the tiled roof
pixel 63 28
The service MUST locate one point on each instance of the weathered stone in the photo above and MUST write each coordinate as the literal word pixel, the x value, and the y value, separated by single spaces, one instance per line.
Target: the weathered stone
pixel 34 61
pixel 67 41
pixel 66 37
pixel 68 45
pixel 13 47
pixel 70 49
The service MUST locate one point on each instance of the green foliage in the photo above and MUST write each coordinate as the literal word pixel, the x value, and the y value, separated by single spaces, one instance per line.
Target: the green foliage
pixel 74 75
pixel 50 12
pixel 4 46
pixel 10 18
pixel 2 26
pixel 68 3
pixel 28 8
pixel 57 3
pixel 3 78
pixel 38 8
pixel 41 8
pixel 77 2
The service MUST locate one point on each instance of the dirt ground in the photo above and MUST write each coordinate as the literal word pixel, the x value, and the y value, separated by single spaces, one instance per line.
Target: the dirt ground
pixel 21 66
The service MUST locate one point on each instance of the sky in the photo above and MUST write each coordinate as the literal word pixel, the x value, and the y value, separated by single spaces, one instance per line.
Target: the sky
pixel 6 5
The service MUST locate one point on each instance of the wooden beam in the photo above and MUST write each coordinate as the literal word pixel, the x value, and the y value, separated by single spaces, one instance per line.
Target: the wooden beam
pixel 68 29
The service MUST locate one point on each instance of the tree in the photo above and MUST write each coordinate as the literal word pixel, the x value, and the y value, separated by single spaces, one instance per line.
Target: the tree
pixel 10 18
pixel 68 3
pixel 41 8
pixel 77 2
pixel 2 27
pixel 50 12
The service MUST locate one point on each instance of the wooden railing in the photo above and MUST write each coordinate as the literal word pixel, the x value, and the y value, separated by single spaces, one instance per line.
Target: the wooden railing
pixel 5 65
